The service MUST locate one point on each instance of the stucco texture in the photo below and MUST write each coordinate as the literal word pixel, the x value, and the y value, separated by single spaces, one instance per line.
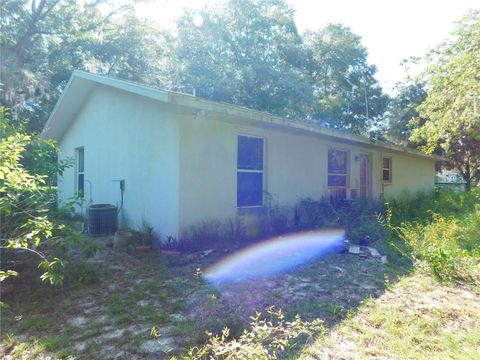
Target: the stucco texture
pixel 295 168
pixel 180 165
pixel 132 138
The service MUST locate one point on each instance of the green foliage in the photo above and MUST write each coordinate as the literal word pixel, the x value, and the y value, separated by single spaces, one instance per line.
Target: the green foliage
pixel 402 109
pixel 452 107
pixel 361 219
pixel 248 53
pixel 145 235
pixel 42 42
pixel 446 243
pixel 268 338
pixel 347 95
pixel 316 214
pixel 84 273
pixel 421 206
pixel 208 234
pixel 28 221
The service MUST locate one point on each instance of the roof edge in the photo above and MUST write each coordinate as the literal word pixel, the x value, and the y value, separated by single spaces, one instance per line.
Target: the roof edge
pixel 191 101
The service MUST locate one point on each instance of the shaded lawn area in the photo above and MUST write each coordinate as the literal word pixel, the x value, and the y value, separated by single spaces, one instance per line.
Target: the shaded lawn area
pixel 113 317
pixel 417 318
pixel 368 313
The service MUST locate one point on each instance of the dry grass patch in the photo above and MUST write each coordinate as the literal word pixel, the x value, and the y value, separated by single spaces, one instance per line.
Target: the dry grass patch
pixel 416 318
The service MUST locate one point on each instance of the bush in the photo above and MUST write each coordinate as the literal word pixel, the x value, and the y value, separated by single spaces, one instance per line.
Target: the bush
pixel 85 273
pixel 145 235
pixel 361 220
pixel 421 206
pixel 447 246
pixel 316 214
pixel 29 220
pixel 268 338
pixel 205 235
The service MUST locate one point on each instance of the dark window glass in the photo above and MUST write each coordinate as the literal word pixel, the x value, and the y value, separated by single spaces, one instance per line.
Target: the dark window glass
pixel 337 162
pixel 386 175
pixel 80 160
pixel 386 163
pixel 250 153
pixel 81 185
pixel 337 180
pixel 250 189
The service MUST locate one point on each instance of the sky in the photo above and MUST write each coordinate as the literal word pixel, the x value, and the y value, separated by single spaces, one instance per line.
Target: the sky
pixel 391 30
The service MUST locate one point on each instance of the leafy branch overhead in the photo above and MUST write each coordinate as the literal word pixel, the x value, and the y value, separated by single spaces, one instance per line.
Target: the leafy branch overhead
pixel 244 52
pixel 29 221
pixel 449 118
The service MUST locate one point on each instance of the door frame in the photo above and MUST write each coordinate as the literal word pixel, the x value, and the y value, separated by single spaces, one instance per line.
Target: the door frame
pixel 368 175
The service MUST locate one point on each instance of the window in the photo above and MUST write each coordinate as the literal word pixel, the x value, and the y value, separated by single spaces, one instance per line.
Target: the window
pixel 337 168
pixel 387 169
pixel 249 171
pixel 80 171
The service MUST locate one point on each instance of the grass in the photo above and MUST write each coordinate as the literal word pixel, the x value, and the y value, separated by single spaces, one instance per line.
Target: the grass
pixel 128 297
pixel 131 295
pixel 369 310
pixel 417 318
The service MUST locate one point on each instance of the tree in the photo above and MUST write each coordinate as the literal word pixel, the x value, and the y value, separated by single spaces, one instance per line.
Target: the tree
pixel 29 220
pixel 243 52
pixel 347 95
pixel 247 53
pixel 402 109
pixel 24 201
pixel 42 42
pixel 452 105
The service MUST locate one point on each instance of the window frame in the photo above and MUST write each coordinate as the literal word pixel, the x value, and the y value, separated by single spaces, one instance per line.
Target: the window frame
pixel 79 150
pixel 347 169
pixel 262 171
pixel 389 169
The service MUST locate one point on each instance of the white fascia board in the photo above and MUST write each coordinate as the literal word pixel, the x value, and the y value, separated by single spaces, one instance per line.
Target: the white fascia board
pixel 233 111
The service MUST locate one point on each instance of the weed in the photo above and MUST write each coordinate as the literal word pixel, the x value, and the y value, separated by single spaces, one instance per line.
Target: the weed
pixel 145 235
pixel 267 338
pixel 447 246
pixel 85 273
pixel 36 323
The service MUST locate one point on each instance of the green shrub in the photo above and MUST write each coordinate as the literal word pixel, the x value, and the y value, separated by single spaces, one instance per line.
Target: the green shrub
pixel 268 338
pixel 203 235
pixel 29 220
pixel 85 273
pixel 145 235
pixel 316 214
pixel 448 246
pixel 421 206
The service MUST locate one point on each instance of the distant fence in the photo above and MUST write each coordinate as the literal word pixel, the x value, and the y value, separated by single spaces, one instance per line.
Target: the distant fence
pixel 451 186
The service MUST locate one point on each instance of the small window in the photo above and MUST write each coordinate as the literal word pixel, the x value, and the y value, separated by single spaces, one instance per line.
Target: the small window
pixel 337 168
pixel 250 171
pixel 387 169
pixel 80 171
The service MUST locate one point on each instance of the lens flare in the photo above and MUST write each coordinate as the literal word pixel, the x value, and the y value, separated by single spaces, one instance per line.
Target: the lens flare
pixel 274 256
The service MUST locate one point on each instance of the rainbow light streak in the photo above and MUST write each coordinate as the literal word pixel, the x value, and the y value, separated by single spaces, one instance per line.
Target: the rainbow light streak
pixel 274 256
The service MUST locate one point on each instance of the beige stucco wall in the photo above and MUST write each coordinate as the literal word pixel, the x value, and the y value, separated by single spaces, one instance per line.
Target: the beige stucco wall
pixel 295 168
pixel 410 175
pixel 132 138
pixel 180 166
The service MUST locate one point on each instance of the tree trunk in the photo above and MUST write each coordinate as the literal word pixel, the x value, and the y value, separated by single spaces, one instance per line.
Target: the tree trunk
pixel 467 176
pixel 468 185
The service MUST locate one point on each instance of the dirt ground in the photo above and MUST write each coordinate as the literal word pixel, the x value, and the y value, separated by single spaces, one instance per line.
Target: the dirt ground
pixel 113 316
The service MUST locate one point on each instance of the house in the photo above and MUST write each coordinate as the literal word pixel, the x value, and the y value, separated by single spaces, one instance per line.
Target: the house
pixel 184 159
